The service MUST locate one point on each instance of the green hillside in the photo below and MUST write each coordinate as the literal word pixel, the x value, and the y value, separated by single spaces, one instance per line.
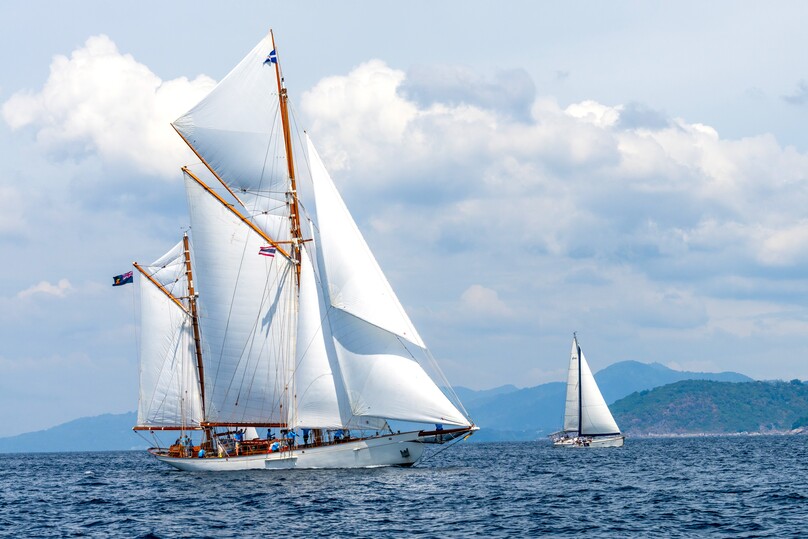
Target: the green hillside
pixel 700 406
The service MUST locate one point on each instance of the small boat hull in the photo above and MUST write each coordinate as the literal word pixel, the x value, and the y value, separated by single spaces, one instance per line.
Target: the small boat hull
pixel 590 441
pixel 403 449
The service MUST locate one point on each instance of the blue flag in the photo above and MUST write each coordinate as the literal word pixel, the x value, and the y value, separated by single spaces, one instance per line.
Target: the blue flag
pixel 126 278
pixel 272 58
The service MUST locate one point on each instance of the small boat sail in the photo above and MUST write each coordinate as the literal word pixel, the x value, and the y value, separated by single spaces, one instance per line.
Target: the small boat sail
pixel 270 338
pixel 587 419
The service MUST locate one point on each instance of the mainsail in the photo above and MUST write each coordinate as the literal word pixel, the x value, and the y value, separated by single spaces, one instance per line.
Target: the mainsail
pixel 247 315
pixel 169 383
pixel 586 411
pixel 311 334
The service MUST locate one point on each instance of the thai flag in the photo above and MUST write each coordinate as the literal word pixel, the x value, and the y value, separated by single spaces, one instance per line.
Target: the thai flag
pixel 267 251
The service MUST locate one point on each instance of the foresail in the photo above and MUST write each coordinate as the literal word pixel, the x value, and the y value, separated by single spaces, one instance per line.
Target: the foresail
pixel 380 354
pixel 356 283
pixel 247 315
pixel 571 404
pixel 595 415
pixel 169 384
pixel 383 375
pixel 235 129
pixel 317 387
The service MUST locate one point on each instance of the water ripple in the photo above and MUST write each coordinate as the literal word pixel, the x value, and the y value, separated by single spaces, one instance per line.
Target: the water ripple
pixel 691 487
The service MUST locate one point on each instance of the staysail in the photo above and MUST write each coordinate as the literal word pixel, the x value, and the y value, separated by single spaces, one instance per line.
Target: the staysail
pixel 379 351
pixel 317 387
pixel 169 384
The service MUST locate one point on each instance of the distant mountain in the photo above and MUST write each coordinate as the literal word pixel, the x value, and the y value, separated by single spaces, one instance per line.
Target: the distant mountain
pixel 470 397
pixel 700 406
pixel 526 414
pixel 503 413
pixel 108 432
pixel 624 378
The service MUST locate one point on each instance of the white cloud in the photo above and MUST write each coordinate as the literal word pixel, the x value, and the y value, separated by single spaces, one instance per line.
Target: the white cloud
pixel 59 290
pixel 652 218
pixel 594 113
pixel 785 246
pixel 106 103
pixel 482 300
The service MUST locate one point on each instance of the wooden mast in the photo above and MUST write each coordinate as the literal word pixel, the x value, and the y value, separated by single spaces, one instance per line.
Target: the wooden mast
pixel 292 201
pixel 294 208
pixel 200 369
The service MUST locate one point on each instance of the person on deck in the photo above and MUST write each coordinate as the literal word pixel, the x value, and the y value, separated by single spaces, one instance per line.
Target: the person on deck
pixel 239 438
pixel 305 437
pixel 290 438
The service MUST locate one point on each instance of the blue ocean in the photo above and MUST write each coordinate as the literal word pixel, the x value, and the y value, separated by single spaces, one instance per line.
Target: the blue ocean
pixel 737 486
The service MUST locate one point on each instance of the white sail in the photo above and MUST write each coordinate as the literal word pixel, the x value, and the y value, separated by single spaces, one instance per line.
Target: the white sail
pixel 595 415
pixel 383 376
pixel 356 283
pixel 316 384
pixel 571 406
pixel 379 351
pixel 235 129
pixel 247 315
pixel 169 383
pixel 310 335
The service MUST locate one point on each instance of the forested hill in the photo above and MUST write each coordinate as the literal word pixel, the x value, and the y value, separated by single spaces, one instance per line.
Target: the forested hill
pixel 701 406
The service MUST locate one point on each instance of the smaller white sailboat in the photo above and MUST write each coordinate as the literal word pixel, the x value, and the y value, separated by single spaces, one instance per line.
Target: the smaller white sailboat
pixel 587 419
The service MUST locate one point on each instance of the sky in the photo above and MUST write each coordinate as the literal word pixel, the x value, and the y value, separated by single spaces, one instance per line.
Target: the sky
pixel 633 171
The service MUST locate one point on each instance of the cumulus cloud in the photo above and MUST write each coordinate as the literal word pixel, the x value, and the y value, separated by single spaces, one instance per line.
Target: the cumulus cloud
pixel 588 185
pixel 100 101
pixel 588 178
pixel 637 115
pixel 59 290
pixel 612 217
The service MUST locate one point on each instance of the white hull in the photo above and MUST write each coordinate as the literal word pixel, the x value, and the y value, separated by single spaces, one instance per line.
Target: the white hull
pixel 587 441
pixel 393 450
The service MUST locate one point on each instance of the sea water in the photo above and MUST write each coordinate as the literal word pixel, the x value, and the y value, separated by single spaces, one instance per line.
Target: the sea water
pixel 738 486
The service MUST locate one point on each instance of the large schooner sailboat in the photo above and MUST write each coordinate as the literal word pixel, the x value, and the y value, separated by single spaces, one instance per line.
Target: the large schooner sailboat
pixel 587 419
pixel 274 316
